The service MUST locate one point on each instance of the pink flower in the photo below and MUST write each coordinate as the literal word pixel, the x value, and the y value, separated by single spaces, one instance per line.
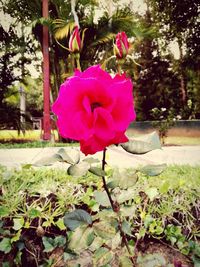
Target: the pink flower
pixel 75 45
pixel 95 109
pixel 121 46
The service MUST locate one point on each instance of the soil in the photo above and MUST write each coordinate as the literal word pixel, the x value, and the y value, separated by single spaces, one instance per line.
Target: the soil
pixel 171 255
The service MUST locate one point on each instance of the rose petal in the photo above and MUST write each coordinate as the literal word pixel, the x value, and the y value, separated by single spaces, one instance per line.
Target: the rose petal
pixel 103 124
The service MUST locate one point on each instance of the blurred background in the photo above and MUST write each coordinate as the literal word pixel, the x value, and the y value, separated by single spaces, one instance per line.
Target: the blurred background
pixel 164 37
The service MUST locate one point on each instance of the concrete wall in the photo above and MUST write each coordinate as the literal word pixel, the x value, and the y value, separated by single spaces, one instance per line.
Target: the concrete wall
pixel 182 127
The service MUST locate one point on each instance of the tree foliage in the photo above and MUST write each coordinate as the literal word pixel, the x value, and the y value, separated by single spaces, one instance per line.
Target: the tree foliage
pixel 160 81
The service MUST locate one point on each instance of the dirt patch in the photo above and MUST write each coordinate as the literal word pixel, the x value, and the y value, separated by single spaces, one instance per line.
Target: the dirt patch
pixel 169 254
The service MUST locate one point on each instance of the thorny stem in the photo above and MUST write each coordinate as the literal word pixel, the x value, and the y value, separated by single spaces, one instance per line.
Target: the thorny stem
pixel 114 206
pixel 104 180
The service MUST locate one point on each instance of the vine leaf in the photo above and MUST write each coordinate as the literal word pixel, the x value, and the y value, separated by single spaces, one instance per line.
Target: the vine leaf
pixel 5 245
pixel 18 223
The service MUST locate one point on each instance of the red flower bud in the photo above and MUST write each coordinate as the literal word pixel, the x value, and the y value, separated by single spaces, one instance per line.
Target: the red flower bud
pixel 75 45
pixel 121 46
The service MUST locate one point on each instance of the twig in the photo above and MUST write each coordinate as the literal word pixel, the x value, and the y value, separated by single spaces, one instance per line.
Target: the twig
pixel 34 256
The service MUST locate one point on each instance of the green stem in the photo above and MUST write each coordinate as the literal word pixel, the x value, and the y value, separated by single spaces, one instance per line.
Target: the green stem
pixel 119 68
pixel 72 62
pixel 78 64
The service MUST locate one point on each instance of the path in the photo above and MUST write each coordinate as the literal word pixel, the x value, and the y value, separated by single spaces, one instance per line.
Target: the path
pixel 116 156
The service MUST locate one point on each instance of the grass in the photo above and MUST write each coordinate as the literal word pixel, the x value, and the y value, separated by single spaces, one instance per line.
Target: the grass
pixel 32 139
pixel 182 140
pixel 35 144
pixel 7 135
pixel 34 202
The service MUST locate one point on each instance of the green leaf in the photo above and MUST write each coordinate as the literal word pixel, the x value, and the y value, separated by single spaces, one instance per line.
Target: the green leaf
pixel 128 211
pixel 96 244
pixel 60 224
pixel 81 238
pixel 123 178
pixel 16 237
pixel 152 192
pixel 77 218
pixel 97 171
pixel 91 160
pixel 34 213
pixel 47 161
pixel 70 156
pixel 51 243
pixel 26 166
pixel 164 187
pixel 48 243
pixel 125 262
pixel 142 144
pixel 102 257
pixel 153 170
pixel 196 261
pixel 4 211
pixel 59 241
pixel 79 169
pixel 5 245
pixel 18 258
pixel 18 223
pixel 147 220
pixel 125 195
pixel 151 260
pixel 104 230
pixel 102 198
pixel 5 264
pixel 126 227
pixel 114 242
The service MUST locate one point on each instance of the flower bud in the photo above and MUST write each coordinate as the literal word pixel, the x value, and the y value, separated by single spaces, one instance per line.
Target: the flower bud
pixel 121 45
pixel 75 45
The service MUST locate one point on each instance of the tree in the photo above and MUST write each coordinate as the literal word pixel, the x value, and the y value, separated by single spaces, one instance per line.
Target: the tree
pixel 178 21
pixel 156 84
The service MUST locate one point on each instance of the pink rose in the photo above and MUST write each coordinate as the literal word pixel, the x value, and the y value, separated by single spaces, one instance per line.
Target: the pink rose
pixel 75 41
pixel 121 46
pixel 95 109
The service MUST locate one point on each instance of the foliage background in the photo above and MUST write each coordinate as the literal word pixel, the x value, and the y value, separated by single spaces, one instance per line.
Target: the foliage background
pixel 162 79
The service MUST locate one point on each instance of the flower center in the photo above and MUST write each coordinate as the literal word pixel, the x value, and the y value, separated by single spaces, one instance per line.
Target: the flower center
pixel 95 105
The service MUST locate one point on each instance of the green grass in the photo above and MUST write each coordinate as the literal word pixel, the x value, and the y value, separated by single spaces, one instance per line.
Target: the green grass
pixel 163 207
pixel 7 135
pixel 32 139
pixel 176 183
pixel 182 140
pixel 35 144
